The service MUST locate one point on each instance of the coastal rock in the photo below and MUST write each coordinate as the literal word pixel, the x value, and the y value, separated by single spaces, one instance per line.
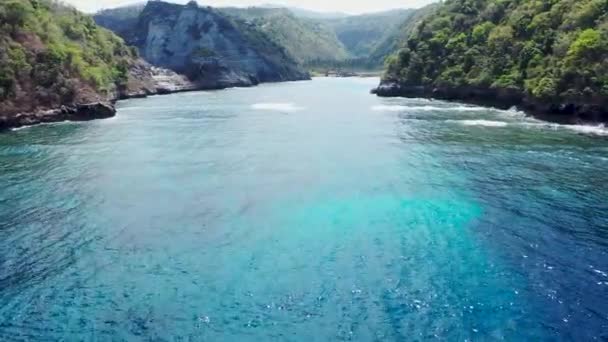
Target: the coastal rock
pixel 145 79
pixel 80 112
pixel 568 111
pixel 91 111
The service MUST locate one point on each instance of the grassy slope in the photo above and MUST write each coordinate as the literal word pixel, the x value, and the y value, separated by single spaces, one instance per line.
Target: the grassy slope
pixel 52 55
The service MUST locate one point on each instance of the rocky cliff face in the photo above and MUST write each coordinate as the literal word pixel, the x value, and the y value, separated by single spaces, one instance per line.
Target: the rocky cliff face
pixel 211 49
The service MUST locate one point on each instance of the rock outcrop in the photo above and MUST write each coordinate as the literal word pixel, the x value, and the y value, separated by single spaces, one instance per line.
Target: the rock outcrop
pixel 145 79
pixel 559 110
pixel 211 49
pixel 79 112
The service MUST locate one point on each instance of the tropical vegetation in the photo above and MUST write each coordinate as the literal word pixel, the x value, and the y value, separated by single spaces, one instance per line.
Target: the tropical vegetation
pixel 51 53
pixel 545 49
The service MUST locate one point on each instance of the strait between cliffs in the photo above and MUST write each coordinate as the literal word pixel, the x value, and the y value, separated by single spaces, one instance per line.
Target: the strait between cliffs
pixel 303 211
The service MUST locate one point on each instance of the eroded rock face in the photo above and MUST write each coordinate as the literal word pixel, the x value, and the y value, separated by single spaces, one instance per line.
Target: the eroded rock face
pixel 145 79
pixel 208 47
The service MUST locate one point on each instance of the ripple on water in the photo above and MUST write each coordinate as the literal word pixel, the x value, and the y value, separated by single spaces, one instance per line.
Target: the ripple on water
pixel 203 218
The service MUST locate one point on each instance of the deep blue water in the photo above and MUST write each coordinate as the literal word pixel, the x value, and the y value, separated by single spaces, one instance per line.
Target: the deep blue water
pixel 308 211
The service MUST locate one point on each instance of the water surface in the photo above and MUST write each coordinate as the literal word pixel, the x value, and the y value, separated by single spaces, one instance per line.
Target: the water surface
pixel 307 211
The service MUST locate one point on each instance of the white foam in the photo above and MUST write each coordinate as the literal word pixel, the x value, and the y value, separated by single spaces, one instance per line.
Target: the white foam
pixel 484 123
pixel 279 107
pixel 15 129
pixel 515 113
pixel 467 109
pixel 21 128
pixel 600 130
pixel 602 273
pixel 389 108
pixel 588 129
pixel 398 108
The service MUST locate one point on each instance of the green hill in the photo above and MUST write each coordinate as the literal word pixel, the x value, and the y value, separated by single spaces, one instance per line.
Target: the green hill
pixel 305 39
pixel 360 34
pixel 397 37
pixel 51 54
pixel 332 41
pixel 548 57
pixel 316 40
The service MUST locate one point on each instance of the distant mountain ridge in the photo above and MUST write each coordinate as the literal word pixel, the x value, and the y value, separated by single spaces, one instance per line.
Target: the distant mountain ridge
pixel 397 37
pixel 361 33
pixel 357 41
pixel 305 39
pixel 311 38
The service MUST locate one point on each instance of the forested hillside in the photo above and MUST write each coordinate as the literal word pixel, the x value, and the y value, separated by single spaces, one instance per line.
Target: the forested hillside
pixel 51 55
pixel 57 64
pixel 333 41
pixel 549 56
pixel 305 39
pixel 394 39
pixel 360 34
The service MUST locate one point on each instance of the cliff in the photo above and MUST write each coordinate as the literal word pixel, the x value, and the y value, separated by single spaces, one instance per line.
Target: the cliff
pixel 212 49
pixel 547 58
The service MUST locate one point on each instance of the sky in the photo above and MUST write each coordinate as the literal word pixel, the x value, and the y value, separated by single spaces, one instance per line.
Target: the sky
pixel 352 6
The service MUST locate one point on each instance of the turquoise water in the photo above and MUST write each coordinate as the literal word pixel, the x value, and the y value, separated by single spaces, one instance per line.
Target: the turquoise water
pixel 307 211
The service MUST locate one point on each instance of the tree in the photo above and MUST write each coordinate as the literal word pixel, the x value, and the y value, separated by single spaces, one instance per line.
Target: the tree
pixel 588 45
pixel 15 14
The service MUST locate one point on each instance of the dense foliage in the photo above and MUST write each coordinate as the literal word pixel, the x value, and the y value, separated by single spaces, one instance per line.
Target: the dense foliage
pixel 543 48
pixel 51 53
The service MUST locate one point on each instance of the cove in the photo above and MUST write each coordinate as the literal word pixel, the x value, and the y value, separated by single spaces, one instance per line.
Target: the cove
pixel 303 211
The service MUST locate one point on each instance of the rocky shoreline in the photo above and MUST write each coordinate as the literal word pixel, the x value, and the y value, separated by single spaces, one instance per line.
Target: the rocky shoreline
pixel 162 82
pixel 565 111
pixel 80 112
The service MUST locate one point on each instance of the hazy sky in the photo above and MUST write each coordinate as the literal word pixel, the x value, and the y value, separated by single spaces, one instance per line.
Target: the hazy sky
pixel 353 6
